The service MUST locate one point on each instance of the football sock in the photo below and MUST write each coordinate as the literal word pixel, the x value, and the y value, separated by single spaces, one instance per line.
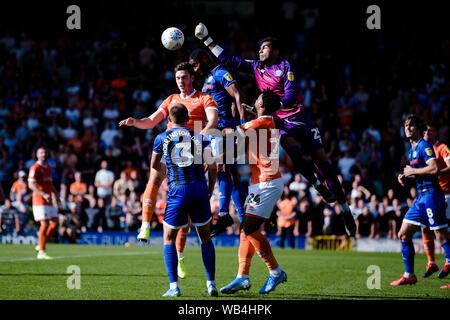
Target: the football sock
pixel 263 249
pixel 145 224
pixel 276 272
pixel 446 247
pixel 225 188
pixel 238 194
pixel 50 231
pixel 428 245
pixel 171 262
pixel 173 285
pixel 181 238
pixel 305 167
pixel 42 236
pixel 325 169
pixel 149 201
pixel 209 260
pixel 246 252
pixel 408 256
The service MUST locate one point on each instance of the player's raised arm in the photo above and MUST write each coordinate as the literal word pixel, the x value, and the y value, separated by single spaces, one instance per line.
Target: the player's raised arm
pixel 144 123
pixel 201 32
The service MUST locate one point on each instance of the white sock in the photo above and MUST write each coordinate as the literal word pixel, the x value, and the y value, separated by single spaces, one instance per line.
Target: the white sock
pixel 41 251
pixel 243 276
pixel 221 214
pixel 180 255
pixel 213 282
pixel 431 262
pixel 173 285
pixel 145 224
pixel 275 272
pixel 408 275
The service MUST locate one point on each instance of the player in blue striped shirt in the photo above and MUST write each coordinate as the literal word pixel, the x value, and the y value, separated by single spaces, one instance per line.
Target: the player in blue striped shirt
pixel 184 152
pixel 429 206
pixel 220 84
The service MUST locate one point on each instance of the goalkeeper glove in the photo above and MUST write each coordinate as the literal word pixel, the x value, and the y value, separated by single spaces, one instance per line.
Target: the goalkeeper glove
pixel 201 32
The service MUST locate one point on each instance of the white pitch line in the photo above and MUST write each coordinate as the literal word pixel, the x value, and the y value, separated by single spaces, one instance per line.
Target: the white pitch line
pixel 6 259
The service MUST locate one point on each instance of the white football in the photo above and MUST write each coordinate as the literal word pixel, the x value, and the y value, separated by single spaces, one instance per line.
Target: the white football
pixel 172 38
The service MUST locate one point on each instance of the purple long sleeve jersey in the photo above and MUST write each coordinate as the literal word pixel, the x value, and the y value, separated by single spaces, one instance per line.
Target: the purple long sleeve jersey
pixel 278 77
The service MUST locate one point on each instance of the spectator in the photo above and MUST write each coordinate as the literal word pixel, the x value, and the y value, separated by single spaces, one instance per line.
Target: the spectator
pixel 365 224
pixel 20 188
pixel 104 180
pixel 95 215
pixel 298 184
pixel 338 227
pixel 120 185
pixel 9 218
pixel 113 213
pixel 70 225
pixel 383 223
pixel 133 212
pixel 78 188
pixel 286 219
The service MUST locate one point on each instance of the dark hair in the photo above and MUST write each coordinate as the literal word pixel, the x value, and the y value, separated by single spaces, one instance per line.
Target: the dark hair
pixel 185 66
pixel 274 42
pixel 430 123
pixel 271 100
pixel 179 114
pixel 199 54
pixel 420 124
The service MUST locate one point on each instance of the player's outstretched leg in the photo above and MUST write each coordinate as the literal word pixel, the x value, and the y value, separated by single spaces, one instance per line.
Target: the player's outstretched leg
pixel 305 167
pixel 225 184
pixel 446 269
pixel 171 261
pixel 208 257
pixel 242 280
pixel 180 245
pixel 149 202
pixel 405 234
pixel 42 254
pixel 429 248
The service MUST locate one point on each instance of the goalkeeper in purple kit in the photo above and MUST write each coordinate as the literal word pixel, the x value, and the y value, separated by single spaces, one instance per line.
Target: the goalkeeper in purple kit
pixel 297 131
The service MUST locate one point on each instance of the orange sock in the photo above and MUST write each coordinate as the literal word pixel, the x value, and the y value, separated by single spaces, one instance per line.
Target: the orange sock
pixel 428 244
pixel 182 237
pixel 263 249
pixel 42 236
pixel 246 252
pixel 149 201
pixel 50 231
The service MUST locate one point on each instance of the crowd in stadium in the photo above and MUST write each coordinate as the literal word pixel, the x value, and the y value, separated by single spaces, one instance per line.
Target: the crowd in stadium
pixel 70 95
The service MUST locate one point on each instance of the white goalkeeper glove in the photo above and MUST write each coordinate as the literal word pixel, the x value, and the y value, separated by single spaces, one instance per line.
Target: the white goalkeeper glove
pixel 201 32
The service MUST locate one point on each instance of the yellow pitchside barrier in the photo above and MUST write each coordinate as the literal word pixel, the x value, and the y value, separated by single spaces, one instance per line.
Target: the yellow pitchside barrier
pixel 329 243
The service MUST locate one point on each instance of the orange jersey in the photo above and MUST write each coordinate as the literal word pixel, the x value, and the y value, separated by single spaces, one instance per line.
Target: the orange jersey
pixel 42 177
pixel 286 208
pixel 197 104
pixel 19 187
pixel 442 152
pixel 262 148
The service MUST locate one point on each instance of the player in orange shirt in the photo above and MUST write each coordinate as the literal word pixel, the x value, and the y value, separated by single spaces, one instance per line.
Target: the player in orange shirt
pixel 263 193
pixel 442 152
pixel 45 201
pixel 203 116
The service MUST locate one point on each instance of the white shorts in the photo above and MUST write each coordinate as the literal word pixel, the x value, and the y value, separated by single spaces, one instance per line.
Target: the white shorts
pixel 262 197
pixel 44 212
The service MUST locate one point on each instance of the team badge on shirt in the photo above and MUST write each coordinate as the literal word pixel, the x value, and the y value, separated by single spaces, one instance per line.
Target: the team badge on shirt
pixel 228 77
pixel 290 75
pixel 278 73
pixel 429 152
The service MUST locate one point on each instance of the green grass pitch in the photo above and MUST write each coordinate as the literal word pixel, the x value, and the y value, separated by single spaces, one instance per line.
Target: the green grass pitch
pixel 138 272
